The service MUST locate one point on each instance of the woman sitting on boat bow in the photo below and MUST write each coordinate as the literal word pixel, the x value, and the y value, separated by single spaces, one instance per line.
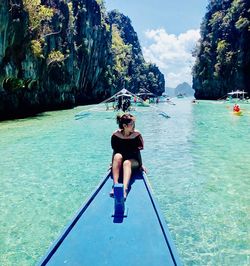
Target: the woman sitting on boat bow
pixel 126 143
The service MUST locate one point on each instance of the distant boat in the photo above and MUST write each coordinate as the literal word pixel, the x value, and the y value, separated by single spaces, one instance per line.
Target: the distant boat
pixel 146 93
pixel 116 102
pixel 122 93
pixel 103 234
pixel 120 99
pixel 180 95
pixel 143 103
pixel 147 96
pixel 165 99
pixel 235 96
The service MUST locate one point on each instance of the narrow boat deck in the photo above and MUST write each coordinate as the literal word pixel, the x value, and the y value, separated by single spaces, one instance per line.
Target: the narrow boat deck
pixel 96 237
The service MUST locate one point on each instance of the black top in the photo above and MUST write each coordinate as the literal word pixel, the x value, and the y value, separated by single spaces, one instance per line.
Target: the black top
pixel 128 147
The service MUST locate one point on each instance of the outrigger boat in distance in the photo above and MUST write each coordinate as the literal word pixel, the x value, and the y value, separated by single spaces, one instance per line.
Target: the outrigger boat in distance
pixel 235 96
pixel 109 231
pixel 180 95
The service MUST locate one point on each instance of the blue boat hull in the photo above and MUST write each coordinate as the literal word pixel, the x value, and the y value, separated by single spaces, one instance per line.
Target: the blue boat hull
pixel 97 237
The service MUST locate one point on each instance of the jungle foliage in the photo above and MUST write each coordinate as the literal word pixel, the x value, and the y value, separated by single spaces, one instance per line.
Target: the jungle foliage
pixel 223 54
pixel 61 53
pixel 129 68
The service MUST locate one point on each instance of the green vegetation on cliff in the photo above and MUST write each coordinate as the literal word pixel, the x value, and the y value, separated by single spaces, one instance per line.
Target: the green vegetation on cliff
pixel 58 54
pixel 130 69
pixel 223 54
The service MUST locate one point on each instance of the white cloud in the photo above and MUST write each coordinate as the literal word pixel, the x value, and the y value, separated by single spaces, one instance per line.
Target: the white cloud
pixel 172 54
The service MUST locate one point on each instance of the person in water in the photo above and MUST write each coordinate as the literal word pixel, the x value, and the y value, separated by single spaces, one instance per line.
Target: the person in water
pixel 236 108
pixel 126 143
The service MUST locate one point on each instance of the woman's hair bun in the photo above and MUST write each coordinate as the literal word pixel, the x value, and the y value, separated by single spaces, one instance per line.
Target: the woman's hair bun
pixel 124 119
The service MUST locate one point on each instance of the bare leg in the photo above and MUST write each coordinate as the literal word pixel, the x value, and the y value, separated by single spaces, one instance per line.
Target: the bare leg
pixel 128 166
pixel 116 167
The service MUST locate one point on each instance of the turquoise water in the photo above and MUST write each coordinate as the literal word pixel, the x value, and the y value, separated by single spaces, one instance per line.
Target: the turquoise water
pixel 198 167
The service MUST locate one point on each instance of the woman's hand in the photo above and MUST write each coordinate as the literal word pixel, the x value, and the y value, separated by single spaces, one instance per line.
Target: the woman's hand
pixel 144 169
pixel 110 166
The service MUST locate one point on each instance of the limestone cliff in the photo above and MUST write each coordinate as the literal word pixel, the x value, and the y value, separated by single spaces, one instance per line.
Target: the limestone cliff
pixel 57 54
pixel 223 53
pixel 133 72
pixel 55 63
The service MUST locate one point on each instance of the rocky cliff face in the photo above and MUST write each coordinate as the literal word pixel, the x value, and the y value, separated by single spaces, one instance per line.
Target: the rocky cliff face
pixel 55 65
pixel 136 73
pixel 57 54
pixel 223 54
pixel 184 89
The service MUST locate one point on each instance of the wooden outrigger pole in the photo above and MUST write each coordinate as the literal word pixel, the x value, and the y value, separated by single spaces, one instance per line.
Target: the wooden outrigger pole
pixel 122 92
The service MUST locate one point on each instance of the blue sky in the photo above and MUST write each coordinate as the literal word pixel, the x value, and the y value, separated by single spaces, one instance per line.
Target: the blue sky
pixel 168 31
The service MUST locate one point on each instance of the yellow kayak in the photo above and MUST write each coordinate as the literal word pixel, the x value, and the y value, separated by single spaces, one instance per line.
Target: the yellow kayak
pixel 237 113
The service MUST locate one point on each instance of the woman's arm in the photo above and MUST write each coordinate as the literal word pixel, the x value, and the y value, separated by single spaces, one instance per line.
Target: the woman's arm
pixel 142 167
pixel 139 159
pixel 111 163
pixel 140 147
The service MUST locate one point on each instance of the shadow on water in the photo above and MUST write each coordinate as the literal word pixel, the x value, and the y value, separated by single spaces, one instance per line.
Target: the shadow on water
pixel 37 116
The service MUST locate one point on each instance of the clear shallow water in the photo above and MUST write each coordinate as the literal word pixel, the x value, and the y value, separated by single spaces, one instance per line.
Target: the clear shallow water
pixel 198 164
